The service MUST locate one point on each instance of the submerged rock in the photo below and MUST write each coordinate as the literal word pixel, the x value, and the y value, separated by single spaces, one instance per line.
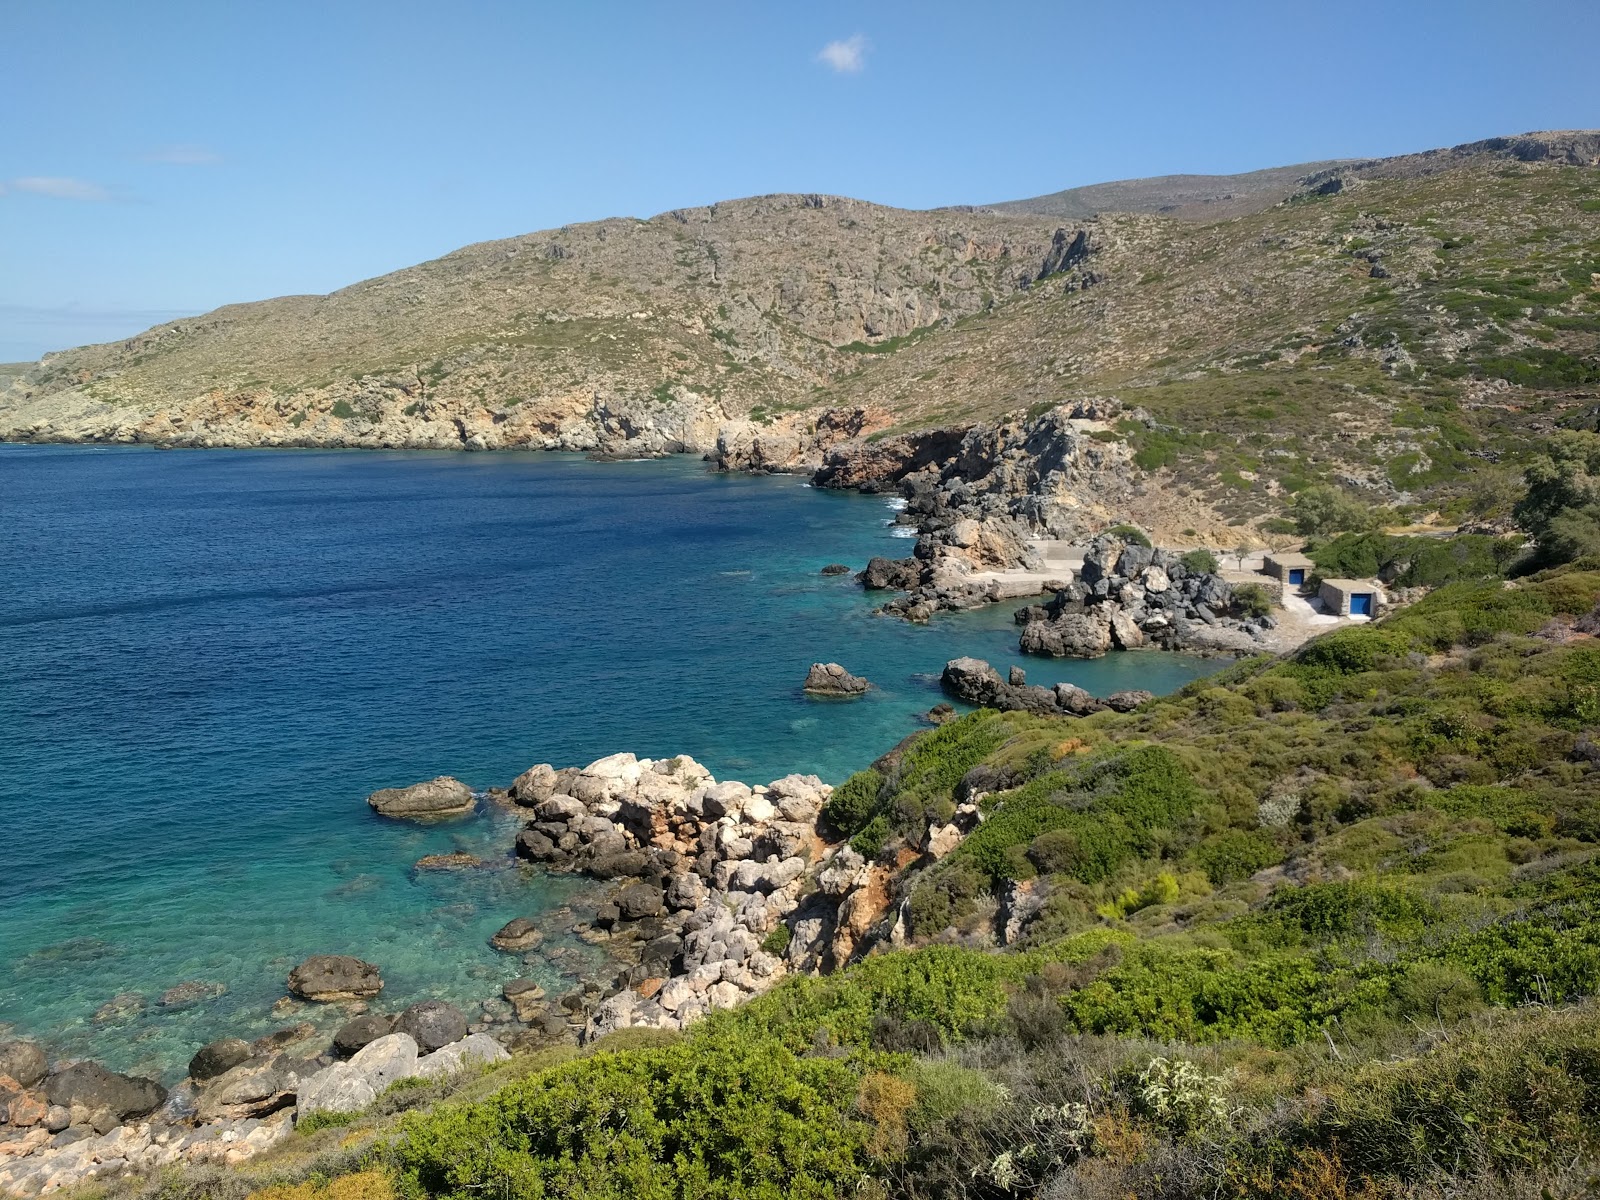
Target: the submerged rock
pixel 329 977
pixel 191 992
pixel 517 935
pixel 441 797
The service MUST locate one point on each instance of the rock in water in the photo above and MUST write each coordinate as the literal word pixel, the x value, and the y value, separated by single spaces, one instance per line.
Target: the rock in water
pixel 516 935
pixel 971 680
pixel 455 861
pixel 441 797
pixel 217 1057
pixel 91 1086
pixel 830 679
pixel 329 977
pixel 432 1024
pixel 361 1031
pixel 836 569
pixel 23 1061
pixel 526 997
pixel 884 574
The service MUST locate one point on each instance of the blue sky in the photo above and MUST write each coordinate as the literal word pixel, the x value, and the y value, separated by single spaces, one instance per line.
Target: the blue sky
pixel 163 158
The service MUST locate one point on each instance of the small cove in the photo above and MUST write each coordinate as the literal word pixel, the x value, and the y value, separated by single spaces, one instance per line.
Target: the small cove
pixel 208 659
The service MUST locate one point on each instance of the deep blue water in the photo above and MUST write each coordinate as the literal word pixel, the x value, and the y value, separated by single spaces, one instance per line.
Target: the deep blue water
pixel 209 658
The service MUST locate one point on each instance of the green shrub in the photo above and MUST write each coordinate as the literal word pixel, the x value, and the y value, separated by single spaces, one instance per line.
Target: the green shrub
pixel 733 1116
pixel 1130 533
pixel 1235 855
pixel 854 802
pixel 1201 562
pixel 1253 599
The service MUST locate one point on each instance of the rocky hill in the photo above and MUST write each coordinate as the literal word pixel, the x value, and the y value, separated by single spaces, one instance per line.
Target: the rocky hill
pixel 1191 197
pixel 1402 329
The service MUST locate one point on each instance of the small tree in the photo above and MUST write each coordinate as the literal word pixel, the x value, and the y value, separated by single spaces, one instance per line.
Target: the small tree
pixel 1562 507
pixel 1323 510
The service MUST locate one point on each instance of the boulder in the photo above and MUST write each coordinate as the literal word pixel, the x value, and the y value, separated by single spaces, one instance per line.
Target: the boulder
pixel 477 1050
pixel 1125 631
pixel 725 799
pixel 341 1088
pixel 218 1057
pixel 362 1031
pixel 23 1061
pixel 534 786
pixel 251 1089
pixel 90 1086
pixel 526 997
pixel 638 901
pixel 329 977
pixel 1071 635
pixel 441 797
pixel 432 1023
pixel 391 1057
pixel 971 680
pixel 836 569
pixel 830 679
pixel 517 935
pixel 536 847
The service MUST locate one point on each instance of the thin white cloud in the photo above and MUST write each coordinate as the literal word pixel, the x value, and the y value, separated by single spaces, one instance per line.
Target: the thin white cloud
pixel 56 187
pixel 183 155
pixel 848 57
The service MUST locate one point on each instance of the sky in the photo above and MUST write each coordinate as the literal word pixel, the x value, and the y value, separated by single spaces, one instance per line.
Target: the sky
pixel 160 159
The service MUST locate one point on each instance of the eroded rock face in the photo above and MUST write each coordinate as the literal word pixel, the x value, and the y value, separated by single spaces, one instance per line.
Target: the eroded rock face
pixel 251 1089
pixel 830 679
pixel 386 1059
pixel 477 1050
pixel 433 800
pixel 329 977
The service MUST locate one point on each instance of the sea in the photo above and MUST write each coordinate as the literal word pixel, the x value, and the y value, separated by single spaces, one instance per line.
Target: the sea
pixel 209 658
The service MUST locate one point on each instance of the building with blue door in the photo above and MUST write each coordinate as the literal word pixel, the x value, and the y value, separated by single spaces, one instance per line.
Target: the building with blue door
pixel 1291 569
pixel 1350 597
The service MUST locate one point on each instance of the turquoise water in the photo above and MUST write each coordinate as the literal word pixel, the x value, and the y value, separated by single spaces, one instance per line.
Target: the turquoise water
pixel 209 658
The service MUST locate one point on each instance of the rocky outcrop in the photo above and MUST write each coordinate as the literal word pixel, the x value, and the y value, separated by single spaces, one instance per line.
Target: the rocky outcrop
pixel 361 1031
pixel 1128 596
pixel 331 977
pixel 975 682
pixel 435 799
pixel 830 679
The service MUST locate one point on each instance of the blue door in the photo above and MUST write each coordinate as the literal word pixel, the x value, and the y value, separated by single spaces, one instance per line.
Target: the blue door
pixel 1297 575
pixel 1360 604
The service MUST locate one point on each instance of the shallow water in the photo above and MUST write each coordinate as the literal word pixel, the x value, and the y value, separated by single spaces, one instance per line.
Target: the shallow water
pixel 209 658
